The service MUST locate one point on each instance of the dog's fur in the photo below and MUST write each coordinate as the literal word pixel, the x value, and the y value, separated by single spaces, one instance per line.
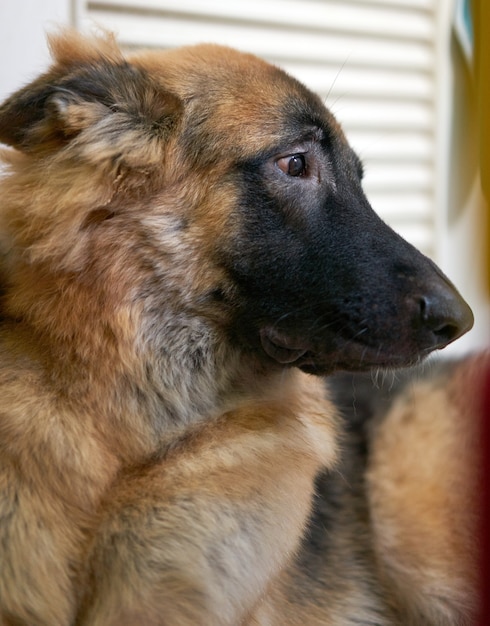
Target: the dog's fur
pixel 394 535
pixel 186 242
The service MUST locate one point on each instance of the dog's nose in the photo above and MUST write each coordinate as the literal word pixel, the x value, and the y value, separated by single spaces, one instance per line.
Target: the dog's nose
pixel 445 314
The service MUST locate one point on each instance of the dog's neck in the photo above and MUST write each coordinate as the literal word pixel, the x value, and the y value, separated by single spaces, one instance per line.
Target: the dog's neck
pixel 144 377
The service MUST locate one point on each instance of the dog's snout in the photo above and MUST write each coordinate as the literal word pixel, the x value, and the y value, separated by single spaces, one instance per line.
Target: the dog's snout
pixel 445 315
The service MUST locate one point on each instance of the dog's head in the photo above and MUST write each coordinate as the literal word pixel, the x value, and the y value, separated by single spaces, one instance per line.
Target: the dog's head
pixel 211 183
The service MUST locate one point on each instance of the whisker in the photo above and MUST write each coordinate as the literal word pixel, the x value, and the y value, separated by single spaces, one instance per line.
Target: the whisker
pixel 340 70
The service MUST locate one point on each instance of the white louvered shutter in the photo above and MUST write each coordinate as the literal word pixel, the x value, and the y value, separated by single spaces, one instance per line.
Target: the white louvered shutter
pixel 373 61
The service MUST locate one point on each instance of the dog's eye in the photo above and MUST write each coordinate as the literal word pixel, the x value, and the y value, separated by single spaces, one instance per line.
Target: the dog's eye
pixel 293 165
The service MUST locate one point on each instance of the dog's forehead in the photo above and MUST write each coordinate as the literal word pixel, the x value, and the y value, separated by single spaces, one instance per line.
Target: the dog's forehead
pixel 236 94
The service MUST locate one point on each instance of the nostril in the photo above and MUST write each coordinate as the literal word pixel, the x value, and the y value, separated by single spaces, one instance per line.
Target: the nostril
pixel 446 333
pixel 447 318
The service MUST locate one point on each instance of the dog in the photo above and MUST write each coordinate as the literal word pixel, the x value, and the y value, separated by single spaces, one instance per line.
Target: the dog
pixel 187 253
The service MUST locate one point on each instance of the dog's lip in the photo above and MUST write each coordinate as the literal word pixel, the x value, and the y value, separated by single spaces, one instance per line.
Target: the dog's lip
pixel 287 349
pixel 281 347
pixel 337 354
pixel 358 357
pixel 323 367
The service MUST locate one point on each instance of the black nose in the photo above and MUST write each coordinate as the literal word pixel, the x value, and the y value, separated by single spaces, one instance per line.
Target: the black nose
pixel 445 315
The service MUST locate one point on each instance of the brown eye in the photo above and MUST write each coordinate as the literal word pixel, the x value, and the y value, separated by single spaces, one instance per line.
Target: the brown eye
pixel 293 165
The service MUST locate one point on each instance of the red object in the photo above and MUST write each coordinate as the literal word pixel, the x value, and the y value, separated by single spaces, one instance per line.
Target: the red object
pixel 485 492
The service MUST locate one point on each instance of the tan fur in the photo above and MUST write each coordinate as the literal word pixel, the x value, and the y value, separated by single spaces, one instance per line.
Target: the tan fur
pixel 405 548
pixel 152 472
pixel 68 440
pixel 244 546
pixel 424 485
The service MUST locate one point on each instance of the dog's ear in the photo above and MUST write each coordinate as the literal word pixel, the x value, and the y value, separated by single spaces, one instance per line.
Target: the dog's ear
pixel 94 96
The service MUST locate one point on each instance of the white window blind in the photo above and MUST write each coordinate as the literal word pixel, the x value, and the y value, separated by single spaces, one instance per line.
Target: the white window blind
pixel 374 62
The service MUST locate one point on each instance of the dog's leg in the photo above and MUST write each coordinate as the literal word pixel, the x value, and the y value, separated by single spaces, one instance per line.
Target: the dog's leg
pixel 196 538
pixel 38 549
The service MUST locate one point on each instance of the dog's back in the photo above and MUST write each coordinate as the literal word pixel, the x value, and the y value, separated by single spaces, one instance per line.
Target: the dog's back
pixel 394 536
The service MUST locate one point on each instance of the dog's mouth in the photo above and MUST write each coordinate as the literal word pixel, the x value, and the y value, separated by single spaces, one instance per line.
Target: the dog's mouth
pixel 336 354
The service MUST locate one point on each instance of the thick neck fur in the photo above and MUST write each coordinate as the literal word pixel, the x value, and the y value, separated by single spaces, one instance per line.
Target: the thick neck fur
pixel 142 370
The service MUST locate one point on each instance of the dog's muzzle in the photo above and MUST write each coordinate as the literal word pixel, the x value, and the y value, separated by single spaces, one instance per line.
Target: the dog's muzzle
pixel 424 323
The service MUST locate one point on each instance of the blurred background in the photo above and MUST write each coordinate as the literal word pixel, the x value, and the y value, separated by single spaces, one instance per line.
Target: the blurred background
pixel 400 75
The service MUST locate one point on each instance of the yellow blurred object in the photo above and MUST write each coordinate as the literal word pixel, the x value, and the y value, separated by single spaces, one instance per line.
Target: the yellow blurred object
pixel 481 23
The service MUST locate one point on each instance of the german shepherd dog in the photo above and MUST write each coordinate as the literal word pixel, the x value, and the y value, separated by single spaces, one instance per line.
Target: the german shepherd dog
pixel 187 251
